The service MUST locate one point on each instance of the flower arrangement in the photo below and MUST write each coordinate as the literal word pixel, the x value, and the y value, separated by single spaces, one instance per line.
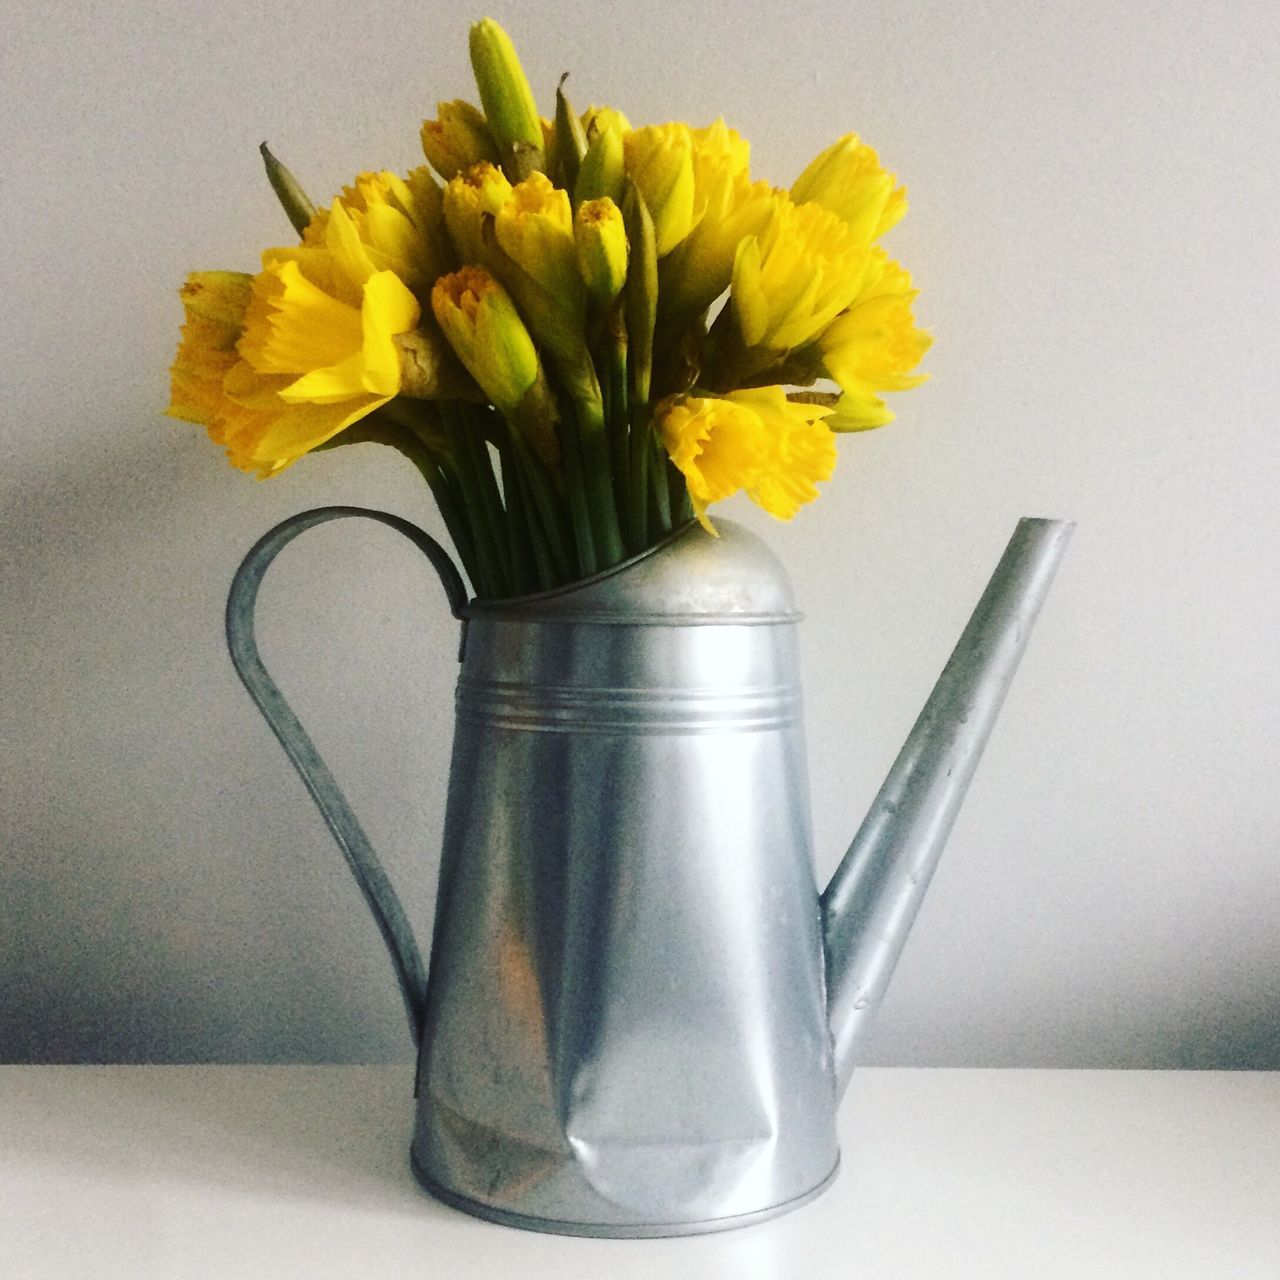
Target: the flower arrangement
pixel 581 333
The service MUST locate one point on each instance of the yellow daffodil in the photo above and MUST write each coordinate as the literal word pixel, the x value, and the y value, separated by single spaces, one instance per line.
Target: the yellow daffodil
pixel 323 336
pixel 601 241
pixel 753 440
pixel 534 268
pixel 873 347
pixel 720 155
pixel 329 353
pixel 457 139
pixel 334 350
pixel 793 278
pixel 383 222
pixel 718 447
pixel 847 178
pixel 727 207
pixel 802 451
pixel 241 407
pixel 659 160
pixel 213 303
pixel 530 249
pixel 482 190
pixel 534 228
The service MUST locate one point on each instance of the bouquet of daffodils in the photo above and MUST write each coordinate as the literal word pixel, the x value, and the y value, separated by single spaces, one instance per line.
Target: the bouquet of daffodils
pixel 581 333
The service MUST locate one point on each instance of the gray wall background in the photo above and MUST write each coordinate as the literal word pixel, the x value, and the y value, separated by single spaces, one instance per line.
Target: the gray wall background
pixel 1094 227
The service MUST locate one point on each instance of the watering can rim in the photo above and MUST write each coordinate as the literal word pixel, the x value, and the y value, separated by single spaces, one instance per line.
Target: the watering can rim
pixel 733 579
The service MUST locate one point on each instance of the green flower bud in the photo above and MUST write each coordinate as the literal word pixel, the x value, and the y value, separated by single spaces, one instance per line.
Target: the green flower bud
pixel 601 171
pixel 508 101
pixel 484 328
pixel 293 199
pixel 601 242
pixel 570 141
pixel 642 293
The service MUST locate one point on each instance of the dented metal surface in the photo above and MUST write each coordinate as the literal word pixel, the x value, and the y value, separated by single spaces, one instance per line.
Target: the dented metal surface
pixel 626 1022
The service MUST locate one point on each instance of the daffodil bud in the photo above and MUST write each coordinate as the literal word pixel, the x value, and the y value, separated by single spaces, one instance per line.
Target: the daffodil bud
pixel 569 142
pixel 298 208
pixel 642 294
pixel 601 241
pixel 659 160
pixel 483 327
pixel 597 119
pixel 556 328
pixel 508 100
pixel 457 139
pixel 534 229
pixel 601 172
pixel 482 189
pixel 847 178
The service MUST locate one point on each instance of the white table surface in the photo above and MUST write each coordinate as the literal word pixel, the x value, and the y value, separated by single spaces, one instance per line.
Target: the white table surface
pixel 234 1171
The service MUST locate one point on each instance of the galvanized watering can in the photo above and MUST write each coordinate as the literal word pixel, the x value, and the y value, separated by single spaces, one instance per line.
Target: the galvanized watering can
pixel 641 1014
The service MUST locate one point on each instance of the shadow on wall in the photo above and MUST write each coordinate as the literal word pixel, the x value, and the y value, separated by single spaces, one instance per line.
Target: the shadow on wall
pixel 72 514
pixel 1241 1038
pixel 146 910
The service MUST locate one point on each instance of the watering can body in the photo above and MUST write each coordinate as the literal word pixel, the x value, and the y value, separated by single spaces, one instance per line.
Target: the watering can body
pixel 640 1012
pixel 626 1021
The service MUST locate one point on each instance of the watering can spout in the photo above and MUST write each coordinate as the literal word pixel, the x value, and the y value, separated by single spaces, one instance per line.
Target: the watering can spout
pixel 872 900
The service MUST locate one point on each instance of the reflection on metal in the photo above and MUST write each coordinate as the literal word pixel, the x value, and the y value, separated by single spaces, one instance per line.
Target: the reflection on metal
pixel 631 1026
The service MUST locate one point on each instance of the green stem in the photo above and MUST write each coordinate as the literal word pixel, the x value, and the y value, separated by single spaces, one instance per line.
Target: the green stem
pixel 681 503
pixel 450 512
pixel 543 564
pixel 474 470
pixel 606 536
pixel 488 580
pixel 480 465
pixel 546 508
pixel 618 419
pixel 529 570
pixel 661 495
pixel 638 479
pixel 576 485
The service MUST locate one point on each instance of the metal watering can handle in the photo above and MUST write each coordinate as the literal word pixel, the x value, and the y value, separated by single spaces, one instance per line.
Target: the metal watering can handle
pixel 347 831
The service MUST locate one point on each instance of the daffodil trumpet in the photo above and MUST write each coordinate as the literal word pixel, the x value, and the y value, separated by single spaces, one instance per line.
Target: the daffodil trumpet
pixel 580 332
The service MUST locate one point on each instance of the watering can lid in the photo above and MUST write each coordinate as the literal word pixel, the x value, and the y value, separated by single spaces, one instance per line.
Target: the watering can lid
pixel 689 577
